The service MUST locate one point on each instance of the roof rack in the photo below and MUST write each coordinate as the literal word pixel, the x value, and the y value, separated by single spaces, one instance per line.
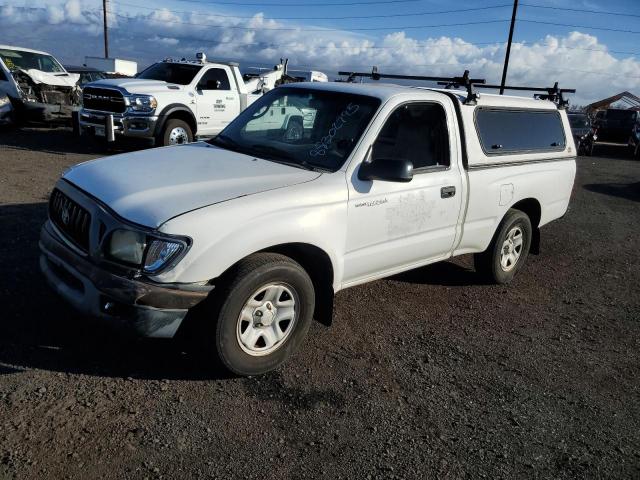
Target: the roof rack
pixel 554 93
pixel 463 81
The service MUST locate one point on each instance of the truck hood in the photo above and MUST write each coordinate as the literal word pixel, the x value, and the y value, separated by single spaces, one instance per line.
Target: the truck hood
pixel 54 79
pixel 152 186
pixel 139 85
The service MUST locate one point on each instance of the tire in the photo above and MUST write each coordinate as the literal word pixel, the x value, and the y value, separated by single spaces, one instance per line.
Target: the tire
pixel 491 262
pixel 588 151
pixel 242 343
pixel 294 131
pixel 175 132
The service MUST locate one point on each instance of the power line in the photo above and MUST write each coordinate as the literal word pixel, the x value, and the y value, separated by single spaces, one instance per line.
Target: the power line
pixel 359 47
pixel 348 17
pixel 581 10
pixel 329 29
pixel 581 26
pixel 334 4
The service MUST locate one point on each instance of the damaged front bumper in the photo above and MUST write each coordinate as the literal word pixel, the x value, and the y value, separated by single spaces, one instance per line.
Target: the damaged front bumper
pixel 143 307
pixel 36 112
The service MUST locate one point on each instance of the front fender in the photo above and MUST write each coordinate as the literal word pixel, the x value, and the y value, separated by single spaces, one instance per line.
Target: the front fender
pixel 312 213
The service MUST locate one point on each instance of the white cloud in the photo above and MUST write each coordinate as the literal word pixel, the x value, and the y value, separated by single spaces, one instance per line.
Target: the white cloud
pixel 74 12
pixel 574 60
pixel 56 14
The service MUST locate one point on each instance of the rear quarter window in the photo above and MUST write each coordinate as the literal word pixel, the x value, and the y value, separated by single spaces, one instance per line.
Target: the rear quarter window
pixel 503 131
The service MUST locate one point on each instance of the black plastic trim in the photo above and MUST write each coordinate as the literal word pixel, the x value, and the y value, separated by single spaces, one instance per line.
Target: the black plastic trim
pixel 163 116
pixel 485 166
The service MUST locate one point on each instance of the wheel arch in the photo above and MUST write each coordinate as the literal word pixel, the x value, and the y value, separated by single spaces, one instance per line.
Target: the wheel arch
pixel 532 208
pixel 317 263
pixel 180 112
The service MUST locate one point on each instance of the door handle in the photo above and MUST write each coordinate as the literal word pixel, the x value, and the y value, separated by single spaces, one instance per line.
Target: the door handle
pixel 447 192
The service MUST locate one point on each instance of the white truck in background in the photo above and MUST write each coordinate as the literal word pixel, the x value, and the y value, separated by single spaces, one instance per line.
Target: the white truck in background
pixel 115 66
pixel 172 102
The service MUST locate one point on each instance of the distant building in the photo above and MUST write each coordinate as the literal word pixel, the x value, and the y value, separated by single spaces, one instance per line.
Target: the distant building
pixel 623 100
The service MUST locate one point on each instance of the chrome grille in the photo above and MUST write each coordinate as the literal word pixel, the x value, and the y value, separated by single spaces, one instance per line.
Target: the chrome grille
pixel 103 100
pixel 70 218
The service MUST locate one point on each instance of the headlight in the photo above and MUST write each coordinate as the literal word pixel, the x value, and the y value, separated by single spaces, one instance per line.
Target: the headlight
pixel 127 246
pixel 143 103
pixel 160 253
pixel 144 251
pixel 4 101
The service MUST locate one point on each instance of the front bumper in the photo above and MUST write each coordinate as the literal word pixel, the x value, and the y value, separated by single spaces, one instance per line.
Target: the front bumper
pixel 128 125
pixel 45 112
pixel 6 114
pixel 143 307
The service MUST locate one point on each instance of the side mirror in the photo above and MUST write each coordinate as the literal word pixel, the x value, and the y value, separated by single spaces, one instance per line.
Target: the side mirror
pixel 386 169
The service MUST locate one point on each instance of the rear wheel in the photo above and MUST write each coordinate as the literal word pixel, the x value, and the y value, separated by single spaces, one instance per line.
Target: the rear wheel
pixel 508 250
pixel 262 314
pixel 175 132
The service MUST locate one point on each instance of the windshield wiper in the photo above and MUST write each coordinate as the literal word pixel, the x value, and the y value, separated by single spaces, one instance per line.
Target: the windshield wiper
pixel 281 156
pixel 226 142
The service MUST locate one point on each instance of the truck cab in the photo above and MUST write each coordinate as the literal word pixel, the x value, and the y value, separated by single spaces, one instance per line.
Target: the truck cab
pixel 172 102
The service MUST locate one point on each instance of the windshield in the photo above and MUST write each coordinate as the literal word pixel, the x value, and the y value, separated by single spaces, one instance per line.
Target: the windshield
pixel 178 73
pixel 308 128
pixel 17 59
pixel 622 115
pixel 578 121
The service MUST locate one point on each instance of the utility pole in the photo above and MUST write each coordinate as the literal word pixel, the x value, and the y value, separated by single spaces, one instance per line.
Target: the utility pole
pixel 506 58
pixel 106 32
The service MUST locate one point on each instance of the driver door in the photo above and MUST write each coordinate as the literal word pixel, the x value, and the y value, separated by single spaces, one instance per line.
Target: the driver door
pixel 393 225
pixel 216 103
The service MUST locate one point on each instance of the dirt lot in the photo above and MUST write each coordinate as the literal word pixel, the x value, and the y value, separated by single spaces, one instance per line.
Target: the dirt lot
pixel 427 374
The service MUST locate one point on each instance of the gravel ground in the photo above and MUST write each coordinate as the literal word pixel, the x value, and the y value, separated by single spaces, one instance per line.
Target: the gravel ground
pixel 427 374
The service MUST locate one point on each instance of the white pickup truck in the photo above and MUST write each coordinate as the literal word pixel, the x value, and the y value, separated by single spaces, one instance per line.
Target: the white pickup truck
pixel 252 233
pixel 171 102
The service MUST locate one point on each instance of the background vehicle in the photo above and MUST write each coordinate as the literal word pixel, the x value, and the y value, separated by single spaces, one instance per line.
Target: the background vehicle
pixel 255 230
pixel 616 125
pixel 87 74
pixel 114 67
pixel 172 102
pixel 634 141
pixel 39 87
pixel 6 110
pixel 584 135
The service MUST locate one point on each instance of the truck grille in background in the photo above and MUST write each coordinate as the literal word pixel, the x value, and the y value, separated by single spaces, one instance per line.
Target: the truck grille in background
pixel 103 99
pixel 70 218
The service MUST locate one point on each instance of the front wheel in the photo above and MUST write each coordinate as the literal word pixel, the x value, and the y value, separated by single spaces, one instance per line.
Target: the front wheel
pixel 508 250
pixel 175 132
pixel 262 315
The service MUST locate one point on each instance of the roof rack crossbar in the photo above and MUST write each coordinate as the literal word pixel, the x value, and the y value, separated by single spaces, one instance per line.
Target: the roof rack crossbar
pixel 554 93
pixel 463 81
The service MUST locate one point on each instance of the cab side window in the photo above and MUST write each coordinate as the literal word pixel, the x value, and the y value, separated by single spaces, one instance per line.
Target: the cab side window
pixel 211 77
pixel 416 132
pixel 3 77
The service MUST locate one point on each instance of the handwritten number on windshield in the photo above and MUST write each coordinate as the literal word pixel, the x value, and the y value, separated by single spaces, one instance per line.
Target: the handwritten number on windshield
pixel 320 148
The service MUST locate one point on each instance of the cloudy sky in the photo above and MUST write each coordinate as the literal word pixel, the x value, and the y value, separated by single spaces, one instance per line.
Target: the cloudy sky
pixel 591 45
